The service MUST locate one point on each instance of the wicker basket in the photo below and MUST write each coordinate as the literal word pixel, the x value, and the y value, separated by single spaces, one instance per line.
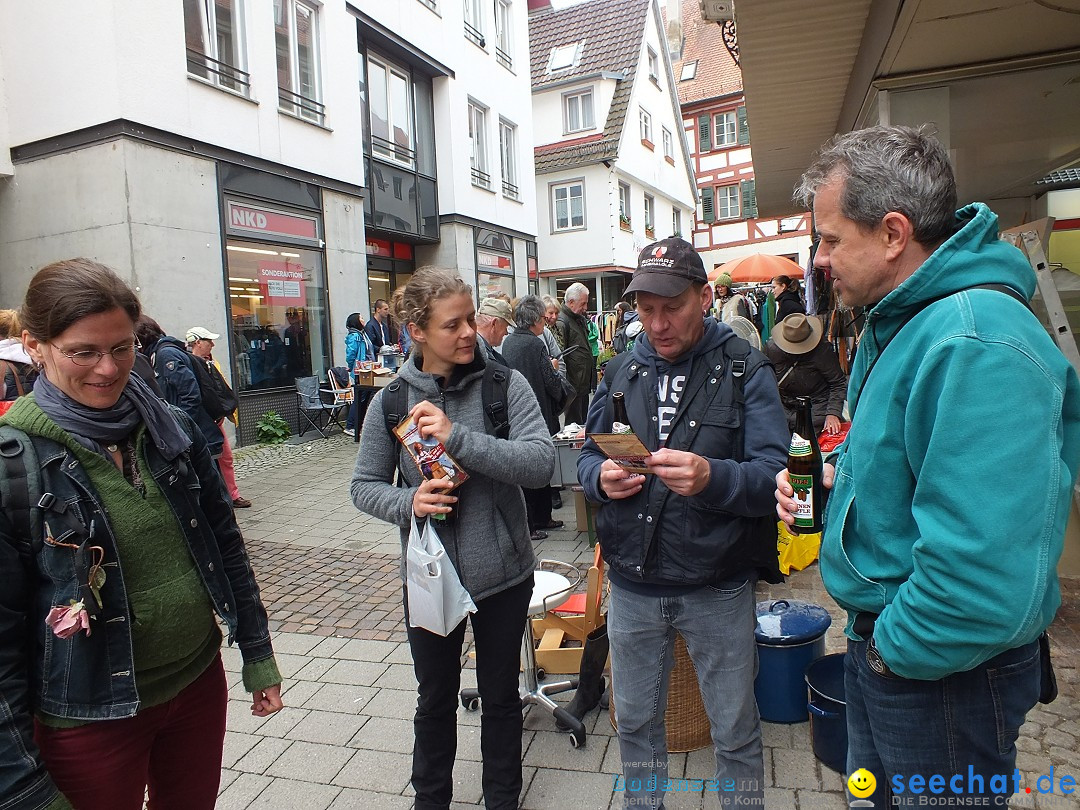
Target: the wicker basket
pixel 685 719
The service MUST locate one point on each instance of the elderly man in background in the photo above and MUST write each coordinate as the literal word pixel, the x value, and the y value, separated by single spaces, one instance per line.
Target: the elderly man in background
pixel 577 356
pixel 493 318
pixel 951 492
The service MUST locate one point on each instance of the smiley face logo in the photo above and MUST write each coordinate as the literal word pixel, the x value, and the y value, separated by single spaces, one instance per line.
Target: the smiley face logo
pixel 861 783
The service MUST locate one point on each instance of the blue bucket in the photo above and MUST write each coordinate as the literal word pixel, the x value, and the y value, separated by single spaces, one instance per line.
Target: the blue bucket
pixel 789 634
pixel 828 711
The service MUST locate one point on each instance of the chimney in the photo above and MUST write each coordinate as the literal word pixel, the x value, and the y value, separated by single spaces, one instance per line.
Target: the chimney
pixel 674 32
pixel 537 5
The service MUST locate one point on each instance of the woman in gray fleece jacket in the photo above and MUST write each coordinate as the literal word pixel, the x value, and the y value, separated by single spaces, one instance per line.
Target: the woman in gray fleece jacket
pixel 485 532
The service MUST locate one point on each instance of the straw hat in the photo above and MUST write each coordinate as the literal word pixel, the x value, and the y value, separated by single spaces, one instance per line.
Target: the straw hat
pixel 797 334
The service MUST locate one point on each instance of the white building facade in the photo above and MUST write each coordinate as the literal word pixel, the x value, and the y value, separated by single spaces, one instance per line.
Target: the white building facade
pixel 613 172
pixel 264 169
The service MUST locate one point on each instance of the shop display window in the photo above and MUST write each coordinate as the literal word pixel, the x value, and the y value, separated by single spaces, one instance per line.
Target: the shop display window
pixel 278 314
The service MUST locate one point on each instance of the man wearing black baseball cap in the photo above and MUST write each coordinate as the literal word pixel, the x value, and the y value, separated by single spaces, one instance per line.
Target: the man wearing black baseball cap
pixel 686 543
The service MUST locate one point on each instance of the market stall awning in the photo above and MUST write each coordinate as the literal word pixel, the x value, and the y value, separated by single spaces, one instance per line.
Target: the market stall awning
pixel 999 78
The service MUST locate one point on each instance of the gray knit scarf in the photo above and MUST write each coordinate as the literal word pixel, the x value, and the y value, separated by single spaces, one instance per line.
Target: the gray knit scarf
pixel 94 428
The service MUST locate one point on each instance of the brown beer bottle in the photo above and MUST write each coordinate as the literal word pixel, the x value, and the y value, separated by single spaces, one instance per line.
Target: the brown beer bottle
pixel 805 471
pixel 620 421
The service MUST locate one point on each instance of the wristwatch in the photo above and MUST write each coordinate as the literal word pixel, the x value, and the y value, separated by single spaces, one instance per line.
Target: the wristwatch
pixel 876 662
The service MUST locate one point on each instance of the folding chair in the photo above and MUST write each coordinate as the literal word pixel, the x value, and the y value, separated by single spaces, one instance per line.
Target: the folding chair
pixel 310 399
pixel 572 620
pixel 341 388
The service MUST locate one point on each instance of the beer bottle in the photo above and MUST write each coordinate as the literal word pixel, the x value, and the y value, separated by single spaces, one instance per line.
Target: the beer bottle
pixel 620 421
pixel 805 471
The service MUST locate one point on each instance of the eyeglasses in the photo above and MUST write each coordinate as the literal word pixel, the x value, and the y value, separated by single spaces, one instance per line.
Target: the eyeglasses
pixel 120 355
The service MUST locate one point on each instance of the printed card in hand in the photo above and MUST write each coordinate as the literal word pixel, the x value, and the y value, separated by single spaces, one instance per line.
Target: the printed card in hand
pixel 429 455
pixel 625 449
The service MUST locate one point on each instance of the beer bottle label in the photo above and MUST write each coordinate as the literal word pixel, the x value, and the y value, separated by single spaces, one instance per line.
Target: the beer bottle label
pixel 619 427
pixel 804 500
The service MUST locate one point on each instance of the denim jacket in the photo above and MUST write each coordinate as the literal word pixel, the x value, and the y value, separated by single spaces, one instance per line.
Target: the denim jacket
pixel 92 677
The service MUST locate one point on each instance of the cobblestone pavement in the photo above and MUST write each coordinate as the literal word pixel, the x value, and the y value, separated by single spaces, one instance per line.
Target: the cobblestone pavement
pixel 329 578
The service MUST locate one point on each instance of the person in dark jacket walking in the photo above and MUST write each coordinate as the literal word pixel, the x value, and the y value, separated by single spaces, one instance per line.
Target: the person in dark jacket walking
pixel 111 588
pixel 525 351
pixel 786 293
pixel 577 356
pixel 685 544
pixel 177 377
pixel 486 539
pixel 806 366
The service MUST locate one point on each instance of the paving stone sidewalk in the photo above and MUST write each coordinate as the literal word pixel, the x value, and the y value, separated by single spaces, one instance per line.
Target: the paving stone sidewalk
pixel 329 578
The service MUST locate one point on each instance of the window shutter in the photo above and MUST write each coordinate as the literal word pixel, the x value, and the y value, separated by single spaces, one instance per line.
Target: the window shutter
pixel 744 129
pixel 749 199
pixel 708 213
pixel 704 129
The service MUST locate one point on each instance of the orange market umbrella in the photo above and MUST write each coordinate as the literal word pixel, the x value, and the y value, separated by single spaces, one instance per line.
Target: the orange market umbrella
pixel 758 267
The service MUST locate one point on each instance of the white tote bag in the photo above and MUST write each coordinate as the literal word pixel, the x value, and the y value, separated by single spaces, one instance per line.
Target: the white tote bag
pixel 437 600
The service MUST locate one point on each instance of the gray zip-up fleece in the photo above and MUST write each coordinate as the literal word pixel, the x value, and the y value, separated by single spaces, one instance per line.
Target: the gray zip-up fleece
pixel 488 540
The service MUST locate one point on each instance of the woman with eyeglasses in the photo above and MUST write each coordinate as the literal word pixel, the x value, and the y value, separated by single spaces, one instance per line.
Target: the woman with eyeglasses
pixel 118 554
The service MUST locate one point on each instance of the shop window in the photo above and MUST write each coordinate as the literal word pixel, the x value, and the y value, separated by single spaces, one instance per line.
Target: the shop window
pixel 213 30
pixel 296 32
pixel 494 273
pixel 278 314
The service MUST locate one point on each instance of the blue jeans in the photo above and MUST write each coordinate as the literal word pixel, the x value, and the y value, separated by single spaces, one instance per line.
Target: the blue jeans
pixel 966 723
pixel 718 627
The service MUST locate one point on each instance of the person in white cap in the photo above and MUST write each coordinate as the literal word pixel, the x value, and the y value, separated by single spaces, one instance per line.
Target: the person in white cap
pixel 200 343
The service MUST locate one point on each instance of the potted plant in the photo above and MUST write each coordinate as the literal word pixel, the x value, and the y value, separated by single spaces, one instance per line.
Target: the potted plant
pixel 624 222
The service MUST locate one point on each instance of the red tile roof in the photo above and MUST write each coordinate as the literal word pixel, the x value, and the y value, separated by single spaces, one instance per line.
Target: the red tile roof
pixel 717 73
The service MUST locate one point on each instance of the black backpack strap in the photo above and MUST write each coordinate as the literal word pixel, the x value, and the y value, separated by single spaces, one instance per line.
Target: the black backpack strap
pixel 496 395
pixel 20 492
pixel 741 368
pixel 395 407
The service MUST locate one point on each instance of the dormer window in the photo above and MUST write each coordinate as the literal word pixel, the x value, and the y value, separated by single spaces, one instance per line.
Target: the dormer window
pixel 564 56
pixel 578 111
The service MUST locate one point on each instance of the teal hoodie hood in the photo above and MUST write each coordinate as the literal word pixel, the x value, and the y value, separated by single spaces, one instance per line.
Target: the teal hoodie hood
pixel 952 490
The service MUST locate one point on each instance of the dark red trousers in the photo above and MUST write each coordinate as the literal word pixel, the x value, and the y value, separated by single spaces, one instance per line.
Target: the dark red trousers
pixel 173 749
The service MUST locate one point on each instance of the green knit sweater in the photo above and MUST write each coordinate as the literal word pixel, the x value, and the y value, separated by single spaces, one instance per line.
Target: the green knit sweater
pixel 174 633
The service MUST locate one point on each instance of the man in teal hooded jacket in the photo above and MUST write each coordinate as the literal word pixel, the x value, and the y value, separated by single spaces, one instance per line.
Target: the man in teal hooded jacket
pixel 951 493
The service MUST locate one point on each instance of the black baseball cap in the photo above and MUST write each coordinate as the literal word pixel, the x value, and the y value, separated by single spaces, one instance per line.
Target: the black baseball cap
pixel 667 268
